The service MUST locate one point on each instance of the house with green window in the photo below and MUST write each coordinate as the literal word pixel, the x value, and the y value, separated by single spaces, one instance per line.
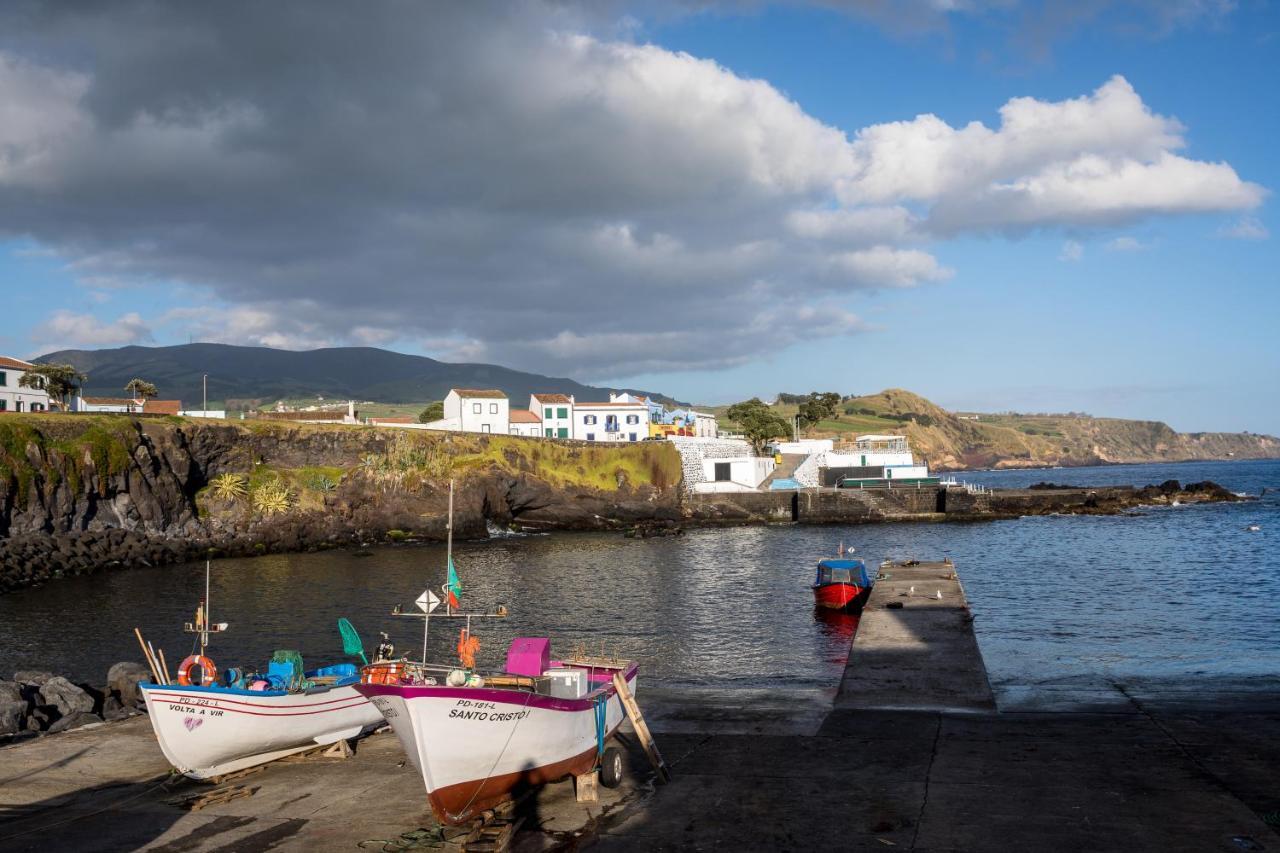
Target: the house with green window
pixel 15 397
pixel 556 412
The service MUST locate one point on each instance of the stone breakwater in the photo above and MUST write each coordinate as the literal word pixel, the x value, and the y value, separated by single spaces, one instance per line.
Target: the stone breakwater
pixel 36 703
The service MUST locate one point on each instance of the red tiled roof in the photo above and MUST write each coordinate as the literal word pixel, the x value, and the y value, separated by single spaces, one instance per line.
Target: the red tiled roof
pixel 552 398
pixel 523 416
pixel 15 363
pixel 161 407
pixel 479 392
pixel 598 405
pixel 111 401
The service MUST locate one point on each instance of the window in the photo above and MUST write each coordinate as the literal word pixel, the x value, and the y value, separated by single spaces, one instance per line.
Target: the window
pixel 475 407
pixel 484 428
pixel 546 414
pixel 591 436
pixel 4 405
pixel 722 472
pixel 4 378
pixel 633 419
pixel 633 436
pixel 548 432
pixel 560 413
pixel 562 432
pixel 514 430
pixel 589 419
pixel 493 408
pixel 17 407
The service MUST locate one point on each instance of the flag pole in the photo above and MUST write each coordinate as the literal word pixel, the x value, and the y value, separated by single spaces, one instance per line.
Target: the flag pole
pixel 448 599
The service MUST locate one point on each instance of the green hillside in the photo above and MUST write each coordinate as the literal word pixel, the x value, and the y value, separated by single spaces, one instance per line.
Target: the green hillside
pixel 950 441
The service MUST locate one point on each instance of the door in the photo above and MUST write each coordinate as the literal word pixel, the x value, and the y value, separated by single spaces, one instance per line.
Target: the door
pixel 723 472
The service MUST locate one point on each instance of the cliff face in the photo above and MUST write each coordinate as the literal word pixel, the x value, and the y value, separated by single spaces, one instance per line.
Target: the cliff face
pixel 950 442
pixel 80 492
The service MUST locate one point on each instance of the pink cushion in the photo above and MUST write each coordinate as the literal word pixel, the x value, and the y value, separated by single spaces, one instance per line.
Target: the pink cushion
pixel 529 656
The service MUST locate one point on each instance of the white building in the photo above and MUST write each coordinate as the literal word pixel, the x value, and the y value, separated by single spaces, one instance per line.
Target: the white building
pixel 610 421
pixel 15 397
pixel 477 410
pixel 873 459
pixel 555 411
pixel 736 473
pixel 525 423
pixel 705 425
pixel 106 405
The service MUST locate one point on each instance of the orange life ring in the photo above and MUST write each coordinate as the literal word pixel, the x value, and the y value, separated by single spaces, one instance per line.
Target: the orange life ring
pixel 208 672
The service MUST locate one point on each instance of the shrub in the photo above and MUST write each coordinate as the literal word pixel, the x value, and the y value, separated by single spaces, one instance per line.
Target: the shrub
pixel 229 487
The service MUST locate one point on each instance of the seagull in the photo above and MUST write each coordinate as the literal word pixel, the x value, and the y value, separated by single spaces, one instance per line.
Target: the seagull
pixel 938 595
pixel 1253 528
pixel 911 591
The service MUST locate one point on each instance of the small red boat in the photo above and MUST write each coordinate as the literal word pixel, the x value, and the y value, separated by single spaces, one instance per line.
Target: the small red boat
pixel 842 585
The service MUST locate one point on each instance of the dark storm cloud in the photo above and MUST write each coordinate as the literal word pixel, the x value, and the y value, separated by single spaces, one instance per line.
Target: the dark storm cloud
pixel 510 182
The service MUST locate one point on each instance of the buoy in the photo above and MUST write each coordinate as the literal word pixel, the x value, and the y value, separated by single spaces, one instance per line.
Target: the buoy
pixel 208 672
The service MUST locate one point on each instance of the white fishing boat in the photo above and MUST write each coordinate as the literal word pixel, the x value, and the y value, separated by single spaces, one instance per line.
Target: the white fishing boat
pixel 482 739
pixel 479 738
pixel 210 723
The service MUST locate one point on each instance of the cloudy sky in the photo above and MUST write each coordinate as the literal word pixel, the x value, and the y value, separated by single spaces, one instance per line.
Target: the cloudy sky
pixel 998 204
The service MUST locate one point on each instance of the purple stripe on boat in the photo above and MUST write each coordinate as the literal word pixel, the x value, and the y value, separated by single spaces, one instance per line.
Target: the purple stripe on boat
pixel 521 698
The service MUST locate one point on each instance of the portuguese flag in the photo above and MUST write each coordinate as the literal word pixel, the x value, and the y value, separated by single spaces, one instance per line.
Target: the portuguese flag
pixel 454 587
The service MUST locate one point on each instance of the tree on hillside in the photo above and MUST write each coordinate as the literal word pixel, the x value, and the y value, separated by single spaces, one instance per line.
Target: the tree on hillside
pixel 433 412
pixel 58 380
pixel 819 406
pixel 758 422
pixel 141 389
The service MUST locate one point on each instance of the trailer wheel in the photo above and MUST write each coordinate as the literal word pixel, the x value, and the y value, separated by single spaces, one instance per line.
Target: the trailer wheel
pixel 611 767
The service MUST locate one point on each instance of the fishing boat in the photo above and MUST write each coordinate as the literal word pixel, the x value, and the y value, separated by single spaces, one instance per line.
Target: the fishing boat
pixel 211 723
pixel 842 584
pixel 478 738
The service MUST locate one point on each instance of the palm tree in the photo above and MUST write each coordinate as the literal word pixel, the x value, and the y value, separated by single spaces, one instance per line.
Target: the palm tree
pixel 58 380
pixel 141 388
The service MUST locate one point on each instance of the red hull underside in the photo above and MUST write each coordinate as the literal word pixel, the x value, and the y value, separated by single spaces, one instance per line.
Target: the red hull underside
pixel 838 596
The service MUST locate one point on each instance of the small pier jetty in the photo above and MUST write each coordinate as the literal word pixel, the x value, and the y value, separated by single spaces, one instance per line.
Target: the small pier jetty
pixel 915 649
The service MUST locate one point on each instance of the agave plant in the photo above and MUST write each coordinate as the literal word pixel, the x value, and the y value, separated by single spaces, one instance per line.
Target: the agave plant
pixel 229 487
pixel 272 497
pixel 321 483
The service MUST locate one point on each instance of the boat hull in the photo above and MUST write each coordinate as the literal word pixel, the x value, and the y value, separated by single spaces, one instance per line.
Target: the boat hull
pixel 206 732
pixel 840 596
pixel 476 747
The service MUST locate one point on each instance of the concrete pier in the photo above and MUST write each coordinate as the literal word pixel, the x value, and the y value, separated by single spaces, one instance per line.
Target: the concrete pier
pixel 915 648
pixel 909 753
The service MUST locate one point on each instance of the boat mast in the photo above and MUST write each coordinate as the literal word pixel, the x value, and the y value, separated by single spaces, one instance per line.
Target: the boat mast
pixel 204 625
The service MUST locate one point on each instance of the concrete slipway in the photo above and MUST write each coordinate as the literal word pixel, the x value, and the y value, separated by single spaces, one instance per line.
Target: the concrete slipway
pixel 911 755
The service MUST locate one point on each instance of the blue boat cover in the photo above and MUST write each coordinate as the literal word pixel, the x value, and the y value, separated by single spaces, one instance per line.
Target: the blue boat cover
pixel 844 571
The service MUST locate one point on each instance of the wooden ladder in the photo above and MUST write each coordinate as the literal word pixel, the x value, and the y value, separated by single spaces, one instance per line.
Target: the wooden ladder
pixel 642 730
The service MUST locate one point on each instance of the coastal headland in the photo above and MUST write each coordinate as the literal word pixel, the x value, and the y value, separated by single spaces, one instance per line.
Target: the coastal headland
pixel 82 493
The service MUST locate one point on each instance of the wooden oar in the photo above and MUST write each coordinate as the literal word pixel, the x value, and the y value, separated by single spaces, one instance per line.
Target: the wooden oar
pixel 155 671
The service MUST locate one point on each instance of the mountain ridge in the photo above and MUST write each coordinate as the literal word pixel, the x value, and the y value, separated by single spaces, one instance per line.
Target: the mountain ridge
pixel 263 374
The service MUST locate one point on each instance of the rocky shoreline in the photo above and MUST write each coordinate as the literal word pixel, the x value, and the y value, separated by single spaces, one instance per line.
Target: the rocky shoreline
pixel 81 495
pixel 36 703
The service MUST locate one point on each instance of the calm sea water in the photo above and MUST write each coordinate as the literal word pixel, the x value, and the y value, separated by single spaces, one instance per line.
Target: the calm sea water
pixel 1181 594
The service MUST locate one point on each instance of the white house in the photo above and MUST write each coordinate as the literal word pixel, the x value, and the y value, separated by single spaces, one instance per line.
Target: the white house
pixel 610 421
pixel 525 423
pixel 478 410
pixel 705 425
pixel 555 411
pixel 106 405
pixel 15 397
pixel 747 472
